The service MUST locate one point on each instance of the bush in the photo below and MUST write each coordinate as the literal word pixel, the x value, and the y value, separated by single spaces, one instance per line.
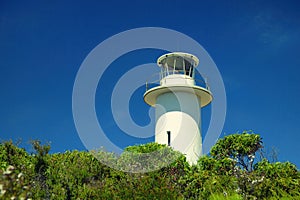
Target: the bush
pixel 230 172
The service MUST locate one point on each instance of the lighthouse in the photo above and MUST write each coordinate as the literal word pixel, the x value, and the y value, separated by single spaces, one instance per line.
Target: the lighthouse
pixel 178 100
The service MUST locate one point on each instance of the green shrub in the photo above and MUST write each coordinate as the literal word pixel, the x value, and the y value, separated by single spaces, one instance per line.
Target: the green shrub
pixel 230 172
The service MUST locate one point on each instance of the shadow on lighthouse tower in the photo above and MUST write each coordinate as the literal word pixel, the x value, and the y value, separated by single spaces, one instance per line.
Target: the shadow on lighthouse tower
pixel 178 101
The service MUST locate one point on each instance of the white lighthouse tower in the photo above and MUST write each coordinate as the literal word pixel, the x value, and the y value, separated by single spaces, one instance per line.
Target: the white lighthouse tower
pixel 178 101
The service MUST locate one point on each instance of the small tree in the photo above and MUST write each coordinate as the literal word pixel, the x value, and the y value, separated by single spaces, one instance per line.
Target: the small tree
pixel 241 148
pixel 40 186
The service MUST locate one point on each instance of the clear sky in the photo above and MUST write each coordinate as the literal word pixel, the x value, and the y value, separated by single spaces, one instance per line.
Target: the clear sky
pixel 255 45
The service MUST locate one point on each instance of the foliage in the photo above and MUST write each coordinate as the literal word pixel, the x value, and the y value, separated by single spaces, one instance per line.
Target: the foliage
pixel 148 157
pixel 10 154
pixel 280 179
pixel 16 171
pixel 13 184
pixel 40 160
pixel 240 147
pixel 231 171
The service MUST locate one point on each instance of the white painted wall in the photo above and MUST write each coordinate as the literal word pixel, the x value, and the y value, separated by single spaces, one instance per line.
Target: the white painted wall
pixel 179 113
pixel 177 79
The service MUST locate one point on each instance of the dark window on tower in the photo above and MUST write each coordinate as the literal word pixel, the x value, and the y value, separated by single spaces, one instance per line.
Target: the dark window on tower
pixel 169 138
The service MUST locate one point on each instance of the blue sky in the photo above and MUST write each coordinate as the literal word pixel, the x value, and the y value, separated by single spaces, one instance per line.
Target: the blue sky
pixel 255 45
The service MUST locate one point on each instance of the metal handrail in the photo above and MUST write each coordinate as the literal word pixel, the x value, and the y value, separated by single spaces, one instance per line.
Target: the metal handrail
pixel 156 81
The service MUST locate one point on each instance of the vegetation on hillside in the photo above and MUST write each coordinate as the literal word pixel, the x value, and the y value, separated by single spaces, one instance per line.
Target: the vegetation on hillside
pixel 233 170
